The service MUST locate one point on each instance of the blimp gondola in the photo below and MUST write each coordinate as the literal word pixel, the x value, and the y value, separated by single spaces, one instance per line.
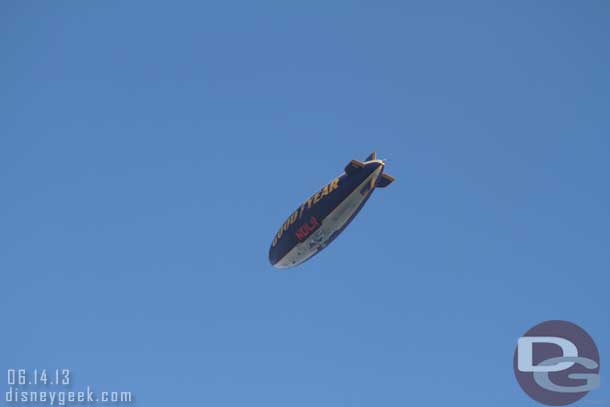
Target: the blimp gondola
pixel 324 215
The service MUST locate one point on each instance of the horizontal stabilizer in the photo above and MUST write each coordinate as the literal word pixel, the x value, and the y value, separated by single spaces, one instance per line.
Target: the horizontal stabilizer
pixel 384 180
pixel 353 167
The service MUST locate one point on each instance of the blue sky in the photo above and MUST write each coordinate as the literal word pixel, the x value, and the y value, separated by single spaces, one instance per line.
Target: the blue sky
pixel 149 151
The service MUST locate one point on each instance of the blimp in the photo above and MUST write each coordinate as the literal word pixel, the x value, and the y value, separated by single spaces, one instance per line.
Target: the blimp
pixel 325 214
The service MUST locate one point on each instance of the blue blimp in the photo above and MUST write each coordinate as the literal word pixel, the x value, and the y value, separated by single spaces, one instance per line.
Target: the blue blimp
pixel 322 217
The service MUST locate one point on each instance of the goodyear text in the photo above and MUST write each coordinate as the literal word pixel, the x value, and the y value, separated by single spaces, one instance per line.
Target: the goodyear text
pixel 314 199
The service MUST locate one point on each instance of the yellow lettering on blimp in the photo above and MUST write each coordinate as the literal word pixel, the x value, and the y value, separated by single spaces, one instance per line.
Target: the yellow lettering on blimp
pixel 324 191
pixel 294 216
pixel 333 185
pixel 301 211
pixel 317 197
pixel 308 202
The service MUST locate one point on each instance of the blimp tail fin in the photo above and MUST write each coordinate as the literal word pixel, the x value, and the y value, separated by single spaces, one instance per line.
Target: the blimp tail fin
pixel 353 167
pixel 384 181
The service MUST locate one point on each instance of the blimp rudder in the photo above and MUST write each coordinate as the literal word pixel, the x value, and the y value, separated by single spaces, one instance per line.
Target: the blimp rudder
pixel 354 166
pixel 384 180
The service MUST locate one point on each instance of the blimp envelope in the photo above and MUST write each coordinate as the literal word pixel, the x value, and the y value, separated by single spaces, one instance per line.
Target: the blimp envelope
pixel 324 215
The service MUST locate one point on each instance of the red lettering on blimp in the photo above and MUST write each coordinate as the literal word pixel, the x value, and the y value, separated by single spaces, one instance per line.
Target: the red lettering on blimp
pixel 307 228
pixel 317 197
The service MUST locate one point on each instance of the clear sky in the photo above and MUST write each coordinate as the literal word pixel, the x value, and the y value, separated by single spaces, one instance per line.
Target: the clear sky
pixel 150 150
